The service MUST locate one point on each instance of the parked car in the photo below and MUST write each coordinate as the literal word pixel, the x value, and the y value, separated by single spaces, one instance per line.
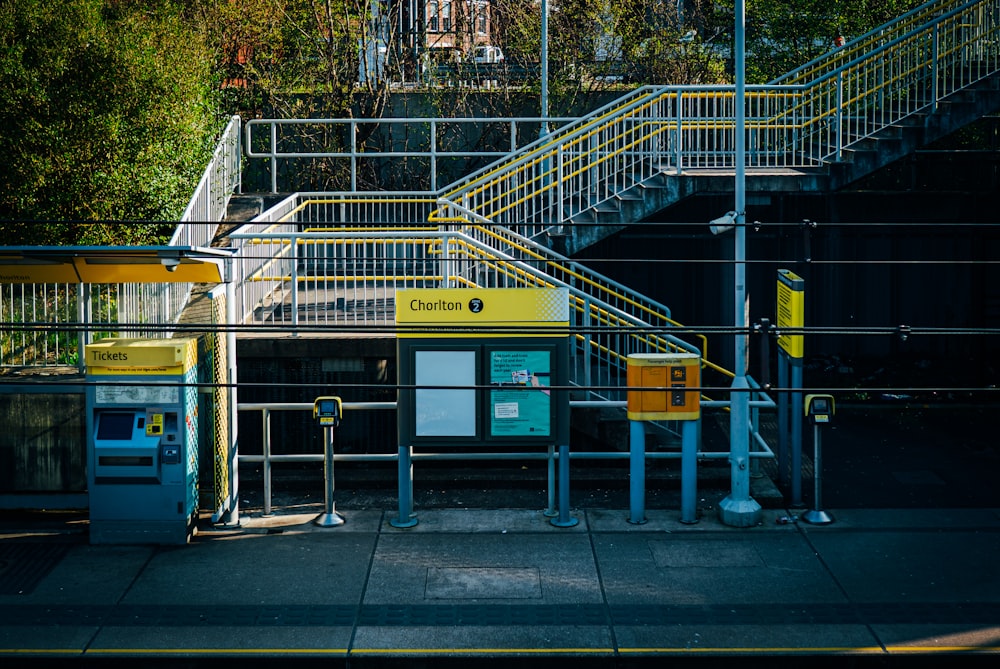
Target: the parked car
pixel 488 54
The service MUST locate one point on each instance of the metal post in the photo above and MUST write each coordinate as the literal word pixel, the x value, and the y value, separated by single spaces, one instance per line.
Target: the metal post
pixel 564 519
pixel 689 471
pixel 637 473
pixel 329 517
pixel 405 487
pixel 266 420
pixel 295 285
pixel 274 156
pixel 233 518
pixel 738 509
pixel 783 423
pixel 550 463
pixel 544 102
pixel 797 433
pixel 816 515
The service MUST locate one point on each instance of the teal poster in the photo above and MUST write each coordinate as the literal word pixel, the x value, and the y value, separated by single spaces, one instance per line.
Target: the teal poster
pixel 520 399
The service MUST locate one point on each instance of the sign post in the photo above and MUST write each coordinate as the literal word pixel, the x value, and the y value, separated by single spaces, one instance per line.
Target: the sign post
pixel 791 316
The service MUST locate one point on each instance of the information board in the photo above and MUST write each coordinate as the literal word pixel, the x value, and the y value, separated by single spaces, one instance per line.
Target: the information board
pixel 520 403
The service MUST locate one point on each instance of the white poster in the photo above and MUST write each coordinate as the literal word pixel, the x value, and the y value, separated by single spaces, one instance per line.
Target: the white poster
pixel 140 396
pixel 445 411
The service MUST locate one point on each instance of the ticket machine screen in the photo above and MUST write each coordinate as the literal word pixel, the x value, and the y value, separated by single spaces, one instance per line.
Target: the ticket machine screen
pixel 114 426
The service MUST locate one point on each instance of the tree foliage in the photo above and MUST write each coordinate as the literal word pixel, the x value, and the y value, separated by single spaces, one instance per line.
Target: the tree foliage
pixel 781 35
pixel 107 113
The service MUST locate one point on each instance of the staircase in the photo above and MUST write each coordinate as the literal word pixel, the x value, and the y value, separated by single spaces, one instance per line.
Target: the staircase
pixel 820 128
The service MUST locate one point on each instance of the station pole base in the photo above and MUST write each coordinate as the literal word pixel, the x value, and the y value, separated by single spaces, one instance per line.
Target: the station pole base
pixel 739 512
pixel 567 522
pixel 817 517
pixel 403 524
pixel 329 520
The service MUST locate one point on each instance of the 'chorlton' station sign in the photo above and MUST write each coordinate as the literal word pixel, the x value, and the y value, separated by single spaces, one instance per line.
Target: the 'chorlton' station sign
pixel 514 311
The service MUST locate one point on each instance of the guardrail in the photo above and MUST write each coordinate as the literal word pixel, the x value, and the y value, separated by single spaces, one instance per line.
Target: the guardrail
pixel 803 124
pixel 550 456
pixel 424 144
pixel 348 276
pixel 48 324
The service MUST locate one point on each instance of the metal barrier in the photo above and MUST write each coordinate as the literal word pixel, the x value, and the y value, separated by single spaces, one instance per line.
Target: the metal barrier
pixel 349 276
pixel 427 142
pixel 551 456
pixel 48 325
pixel 904 68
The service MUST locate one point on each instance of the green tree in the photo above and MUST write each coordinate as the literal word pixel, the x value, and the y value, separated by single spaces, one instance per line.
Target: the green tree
pixel 107 113
pixel 781 35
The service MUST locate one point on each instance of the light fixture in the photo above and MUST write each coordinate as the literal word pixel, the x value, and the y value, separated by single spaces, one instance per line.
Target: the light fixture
pixel 723 223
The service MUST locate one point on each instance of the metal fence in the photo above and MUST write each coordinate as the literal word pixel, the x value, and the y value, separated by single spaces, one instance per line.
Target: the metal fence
pixel 798 123
pixel 300 275
pixel 48 324
pixel 427 152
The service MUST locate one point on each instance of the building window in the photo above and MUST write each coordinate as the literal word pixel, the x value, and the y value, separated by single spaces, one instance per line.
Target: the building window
pixel 434 26
pixel 481 18
pixel 446 16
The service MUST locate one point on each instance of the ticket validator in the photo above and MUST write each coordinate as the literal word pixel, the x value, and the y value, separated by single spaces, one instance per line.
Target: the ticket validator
pixel 142 450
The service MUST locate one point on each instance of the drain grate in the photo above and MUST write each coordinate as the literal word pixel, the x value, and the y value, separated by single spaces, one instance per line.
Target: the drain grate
pixel 24 565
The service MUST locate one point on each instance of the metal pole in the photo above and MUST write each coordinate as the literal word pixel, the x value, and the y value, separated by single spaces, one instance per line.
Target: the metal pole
pixel 545 70
pixel 783 448
pixel 550 464
pixel 564 519
pixel 689 472
pixel 797 410
pixel 405 488
pixel 233 451
pixel 637 473
pixel 816 515
pixel 738 509
pixel 329 517
pixel 266 418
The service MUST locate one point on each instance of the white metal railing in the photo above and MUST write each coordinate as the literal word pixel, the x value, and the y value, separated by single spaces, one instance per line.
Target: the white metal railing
pixel 304 278
pixel 423 145
pixel 663 131
pixel 48 324
pixel 211 197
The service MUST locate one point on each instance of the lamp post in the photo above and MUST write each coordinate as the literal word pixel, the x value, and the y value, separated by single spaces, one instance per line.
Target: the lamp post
pixel 738 509
pixel 544 97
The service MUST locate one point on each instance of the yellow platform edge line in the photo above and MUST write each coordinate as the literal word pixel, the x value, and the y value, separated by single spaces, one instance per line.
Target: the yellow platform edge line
pixel 216 651
pixel 653 650
pixel 482 651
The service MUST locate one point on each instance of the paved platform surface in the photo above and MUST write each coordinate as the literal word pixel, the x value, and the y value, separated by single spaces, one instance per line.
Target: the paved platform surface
pixel 879 586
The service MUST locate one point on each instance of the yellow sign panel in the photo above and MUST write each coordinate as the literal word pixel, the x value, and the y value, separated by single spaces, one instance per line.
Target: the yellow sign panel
pixel 141 356
pixel 791 311
pixel 506 309
pixel 138 265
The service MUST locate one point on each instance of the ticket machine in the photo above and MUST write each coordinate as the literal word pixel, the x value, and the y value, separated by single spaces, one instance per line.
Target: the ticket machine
pixel 142 449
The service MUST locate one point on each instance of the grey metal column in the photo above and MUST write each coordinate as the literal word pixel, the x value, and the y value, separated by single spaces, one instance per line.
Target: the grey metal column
pixel 738 509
